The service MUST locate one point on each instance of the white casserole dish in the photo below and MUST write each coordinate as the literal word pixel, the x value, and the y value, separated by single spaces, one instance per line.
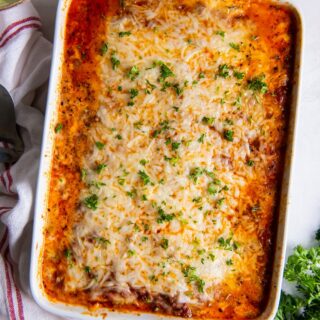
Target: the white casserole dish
pixel 65 310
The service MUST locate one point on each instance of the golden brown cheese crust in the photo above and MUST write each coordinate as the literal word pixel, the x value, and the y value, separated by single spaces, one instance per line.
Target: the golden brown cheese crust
pixel 77 112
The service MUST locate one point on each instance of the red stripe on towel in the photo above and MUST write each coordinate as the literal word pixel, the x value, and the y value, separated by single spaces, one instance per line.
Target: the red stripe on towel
pixel 18 293
pixel 8 281
pixel 14 24
pixel 28 26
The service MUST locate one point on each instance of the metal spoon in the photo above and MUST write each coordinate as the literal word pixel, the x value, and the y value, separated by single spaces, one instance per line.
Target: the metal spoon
pixel 8 129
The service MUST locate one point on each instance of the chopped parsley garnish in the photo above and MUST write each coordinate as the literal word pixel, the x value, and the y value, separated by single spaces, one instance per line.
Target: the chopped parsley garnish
pixel 91 202
pixel 121 181
pixel 211 256
pixel 208 120
pixel 164 217
pixel 164 243
pixel 238 75
pixel 229 262
pixel 171 160
pixel 119 88
pixel 87 269
pixel 250 163
pixel 234 46
pixel 131 253
pixel 83 174
pixel 165 72
pixel 133 73
pixel 130 103
pixel 190 273
pixel 132 193
pixel 124 33
pixel 143 162
pixel 138 125
pixel 220 33
pixel 195 173
pixel 133 93
pixel 197 200
pixel 228 135
pixel 58 128
pixel 178 90
pixel 175 145
pixel 220 201
pixel 212 188
pixel 258 85
pixel 100 167
pixel 175 108
pixel 223 71
pixel 144 177
pixel 144 239
pixel 201 138
pixel 114 61
pixel 103 49
pixel 118 136
pixel 67 253
pixel 100 145
pixel 228 244
pixel 102 240
pixel 201 75
pixel 164 126
pixel 144 197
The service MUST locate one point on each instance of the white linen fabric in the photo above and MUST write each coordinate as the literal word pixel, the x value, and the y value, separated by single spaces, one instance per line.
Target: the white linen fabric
pixel 25 57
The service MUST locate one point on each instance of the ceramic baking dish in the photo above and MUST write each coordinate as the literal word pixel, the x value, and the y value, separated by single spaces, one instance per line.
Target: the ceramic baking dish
pixel 65 310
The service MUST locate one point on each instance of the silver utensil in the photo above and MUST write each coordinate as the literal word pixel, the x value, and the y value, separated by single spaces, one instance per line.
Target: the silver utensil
pixel 8 129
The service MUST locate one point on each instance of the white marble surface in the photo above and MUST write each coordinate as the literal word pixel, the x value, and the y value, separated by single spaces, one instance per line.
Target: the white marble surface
pixel 304 209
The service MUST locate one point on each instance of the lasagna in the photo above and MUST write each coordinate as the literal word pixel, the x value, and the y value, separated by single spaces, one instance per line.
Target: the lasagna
pixel 168 154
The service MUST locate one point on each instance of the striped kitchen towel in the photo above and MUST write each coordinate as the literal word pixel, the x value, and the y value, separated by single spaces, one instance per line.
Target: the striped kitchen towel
pixel 24 67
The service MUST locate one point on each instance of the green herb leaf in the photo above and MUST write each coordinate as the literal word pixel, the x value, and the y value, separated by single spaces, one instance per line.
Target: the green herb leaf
pixel 195 173
pixel 228 135
pixel 133 93
pixel 257 84
pixel 201 139
pixel 115 62
pixel 250 163
pixel 143 162
pixel 124 33
pixel 223 71
pixel 100 167
pixel 208 120
pixel 220 33
pixel 164 217
pixel 67 253
pixel 227 244
pixel 175 145
pixel 58 128
pixel 303 268
pixel 144 177
pixel 212 189
pixel 234 46
pixel 239 75
pixel 91 202
pixel 104 49
pixel 165 72
pixel 100 145
pixel 164 243
pixel 133 73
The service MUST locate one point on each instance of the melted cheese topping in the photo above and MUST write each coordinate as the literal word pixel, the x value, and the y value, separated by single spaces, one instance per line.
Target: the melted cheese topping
pixel 177 187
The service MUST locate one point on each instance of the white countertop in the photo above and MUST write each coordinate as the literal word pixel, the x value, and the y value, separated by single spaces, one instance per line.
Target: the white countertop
pixel 304 208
